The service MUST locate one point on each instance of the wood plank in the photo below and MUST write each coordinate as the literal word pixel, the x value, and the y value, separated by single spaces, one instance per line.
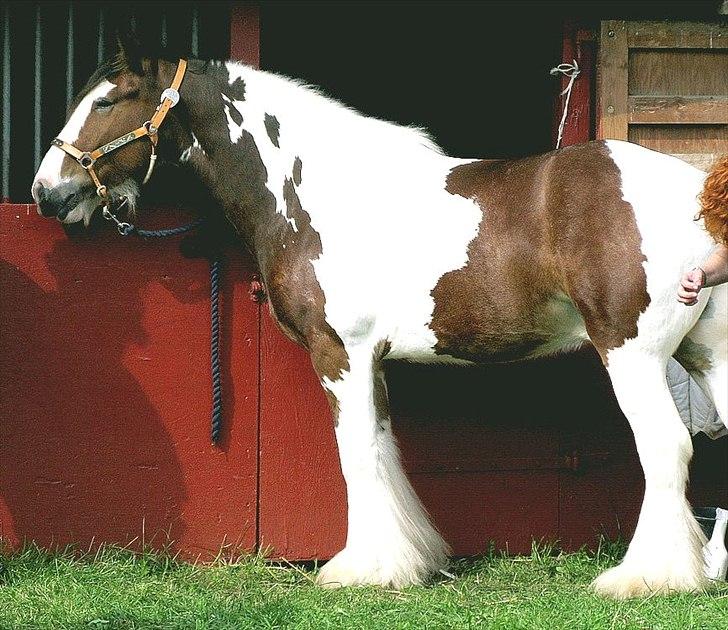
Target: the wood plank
pixel 677 35
pixel 699 145
pixel 662 72
pixel 612 81
pixel 245 33
pixel 675 110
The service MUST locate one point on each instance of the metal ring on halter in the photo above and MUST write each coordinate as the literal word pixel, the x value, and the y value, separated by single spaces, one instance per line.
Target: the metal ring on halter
pixel 86 161
pixel 124 228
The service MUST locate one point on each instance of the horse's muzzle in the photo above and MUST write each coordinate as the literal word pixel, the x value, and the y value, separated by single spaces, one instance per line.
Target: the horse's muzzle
pixel 57 201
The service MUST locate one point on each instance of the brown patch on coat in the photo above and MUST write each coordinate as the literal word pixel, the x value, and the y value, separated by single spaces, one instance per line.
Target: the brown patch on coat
pixel 333 405
pixel 296 296
pixel 236 89
pixel 272 128
pixel 297 167
pixel 553 224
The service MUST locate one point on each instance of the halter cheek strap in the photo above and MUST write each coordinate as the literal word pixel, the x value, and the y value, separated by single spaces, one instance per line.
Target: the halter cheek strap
pixel 150 129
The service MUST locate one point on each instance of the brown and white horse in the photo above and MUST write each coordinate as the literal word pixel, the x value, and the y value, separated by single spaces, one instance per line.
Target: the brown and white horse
pixel 484 262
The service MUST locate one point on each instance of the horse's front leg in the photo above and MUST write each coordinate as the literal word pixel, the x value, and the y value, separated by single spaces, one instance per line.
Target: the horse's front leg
pixel 390 540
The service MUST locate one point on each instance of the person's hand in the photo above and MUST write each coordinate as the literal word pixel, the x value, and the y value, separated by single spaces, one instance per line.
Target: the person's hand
pixel 690 285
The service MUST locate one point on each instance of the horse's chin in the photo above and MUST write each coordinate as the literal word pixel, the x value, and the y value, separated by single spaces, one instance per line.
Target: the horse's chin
pixel 84 211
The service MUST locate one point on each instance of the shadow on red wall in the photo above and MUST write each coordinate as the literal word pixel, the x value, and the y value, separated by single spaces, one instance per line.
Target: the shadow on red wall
pixel 105 396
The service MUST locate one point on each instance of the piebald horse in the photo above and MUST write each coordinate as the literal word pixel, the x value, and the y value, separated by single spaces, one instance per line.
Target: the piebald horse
pixel 484 262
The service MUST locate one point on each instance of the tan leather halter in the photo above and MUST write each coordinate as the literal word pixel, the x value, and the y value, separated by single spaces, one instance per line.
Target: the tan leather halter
pixel 87 159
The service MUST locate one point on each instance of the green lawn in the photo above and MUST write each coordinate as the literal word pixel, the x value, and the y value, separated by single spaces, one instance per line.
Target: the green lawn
pixel 118 589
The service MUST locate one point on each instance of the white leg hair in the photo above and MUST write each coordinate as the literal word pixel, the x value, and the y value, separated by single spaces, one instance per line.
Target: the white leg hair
pixel 390 540
pixel 665 552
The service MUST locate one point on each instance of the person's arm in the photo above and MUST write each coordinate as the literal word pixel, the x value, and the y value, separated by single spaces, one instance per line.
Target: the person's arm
pixel 713 271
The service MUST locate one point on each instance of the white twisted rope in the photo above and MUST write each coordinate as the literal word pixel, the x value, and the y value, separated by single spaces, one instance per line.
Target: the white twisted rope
pixel 572 71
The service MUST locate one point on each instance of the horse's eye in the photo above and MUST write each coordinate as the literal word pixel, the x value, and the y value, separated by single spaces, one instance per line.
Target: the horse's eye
pixel 102 104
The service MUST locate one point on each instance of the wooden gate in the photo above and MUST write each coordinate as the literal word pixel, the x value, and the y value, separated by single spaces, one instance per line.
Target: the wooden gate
pixel 664 85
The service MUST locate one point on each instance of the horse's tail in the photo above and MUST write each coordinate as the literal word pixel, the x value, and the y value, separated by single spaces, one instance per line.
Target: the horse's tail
pixel 714 201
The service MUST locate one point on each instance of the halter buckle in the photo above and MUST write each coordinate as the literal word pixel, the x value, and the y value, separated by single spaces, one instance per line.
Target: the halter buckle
pixel 171 94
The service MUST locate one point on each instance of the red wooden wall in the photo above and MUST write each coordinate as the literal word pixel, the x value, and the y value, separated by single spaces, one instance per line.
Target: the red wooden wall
pixel 105 392
pixel 104 411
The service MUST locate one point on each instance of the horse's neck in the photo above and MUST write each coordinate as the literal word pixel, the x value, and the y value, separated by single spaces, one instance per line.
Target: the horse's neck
pixel 261 136
pixel 226 156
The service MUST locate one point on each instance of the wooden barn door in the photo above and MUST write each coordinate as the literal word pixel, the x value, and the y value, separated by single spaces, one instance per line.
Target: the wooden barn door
pixel 665 86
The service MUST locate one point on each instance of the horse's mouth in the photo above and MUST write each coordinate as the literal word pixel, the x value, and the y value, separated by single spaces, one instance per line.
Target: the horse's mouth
pixel 91 205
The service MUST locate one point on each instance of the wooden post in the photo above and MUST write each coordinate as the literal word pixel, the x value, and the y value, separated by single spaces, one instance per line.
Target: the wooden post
pixel 612 109
pixel 245 33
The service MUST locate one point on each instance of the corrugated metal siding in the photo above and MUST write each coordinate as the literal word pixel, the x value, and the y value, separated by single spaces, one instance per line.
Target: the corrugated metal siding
pixel 49 49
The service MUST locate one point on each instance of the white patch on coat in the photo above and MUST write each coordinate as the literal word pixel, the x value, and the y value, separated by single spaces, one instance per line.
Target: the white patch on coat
pixel 195 146
pixel 665 552
pixel 49 172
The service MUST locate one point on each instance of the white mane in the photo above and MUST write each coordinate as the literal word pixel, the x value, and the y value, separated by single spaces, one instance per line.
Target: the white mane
pixel 371 164
pixel 327 120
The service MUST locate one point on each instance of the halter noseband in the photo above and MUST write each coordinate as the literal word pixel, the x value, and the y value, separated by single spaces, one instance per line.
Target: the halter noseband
pixel 87 159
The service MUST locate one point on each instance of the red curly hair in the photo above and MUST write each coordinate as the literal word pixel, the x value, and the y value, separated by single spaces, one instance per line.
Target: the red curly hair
pixel 714 201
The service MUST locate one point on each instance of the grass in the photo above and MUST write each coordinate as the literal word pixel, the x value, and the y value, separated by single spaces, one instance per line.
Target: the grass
pixel 114 588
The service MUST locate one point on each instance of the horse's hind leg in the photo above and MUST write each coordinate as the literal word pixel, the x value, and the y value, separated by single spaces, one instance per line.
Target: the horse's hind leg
pixel 665 552
pixel 390 540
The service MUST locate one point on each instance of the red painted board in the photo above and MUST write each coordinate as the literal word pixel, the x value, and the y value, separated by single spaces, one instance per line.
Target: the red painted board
pixel 105 393
pixel 302 496
pixel 245 33
pixel 578 44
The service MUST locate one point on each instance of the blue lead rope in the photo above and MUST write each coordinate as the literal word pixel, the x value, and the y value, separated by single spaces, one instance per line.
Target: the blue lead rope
pixel 125 229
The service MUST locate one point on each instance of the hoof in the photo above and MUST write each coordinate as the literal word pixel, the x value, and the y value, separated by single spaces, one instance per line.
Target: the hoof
pixel 625 582
pixel 349 568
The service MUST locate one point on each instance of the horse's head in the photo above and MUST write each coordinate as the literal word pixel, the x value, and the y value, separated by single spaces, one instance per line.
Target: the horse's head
pixel 119 98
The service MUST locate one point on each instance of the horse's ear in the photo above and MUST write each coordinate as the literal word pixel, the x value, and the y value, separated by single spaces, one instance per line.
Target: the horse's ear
pixel 129 55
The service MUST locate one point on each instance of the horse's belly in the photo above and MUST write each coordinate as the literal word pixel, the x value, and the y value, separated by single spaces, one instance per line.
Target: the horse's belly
pixel 479 336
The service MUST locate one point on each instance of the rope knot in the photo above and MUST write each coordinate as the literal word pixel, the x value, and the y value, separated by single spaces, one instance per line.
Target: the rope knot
pixel 570 70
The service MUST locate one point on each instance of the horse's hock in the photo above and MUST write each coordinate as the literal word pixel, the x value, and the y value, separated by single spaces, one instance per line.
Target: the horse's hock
pixel 104 430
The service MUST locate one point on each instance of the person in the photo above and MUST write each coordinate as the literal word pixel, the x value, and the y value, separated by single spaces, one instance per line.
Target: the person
pixel 714 211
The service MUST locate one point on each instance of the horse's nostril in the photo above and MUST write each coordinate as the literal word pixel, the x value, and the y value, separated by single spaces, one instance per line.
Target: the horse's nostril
pixel 39 192
pixel 52 202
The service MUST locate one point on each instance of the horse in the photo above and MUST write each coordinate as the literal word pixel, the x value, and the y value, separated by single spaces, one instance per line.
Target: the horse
pixel 483 261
